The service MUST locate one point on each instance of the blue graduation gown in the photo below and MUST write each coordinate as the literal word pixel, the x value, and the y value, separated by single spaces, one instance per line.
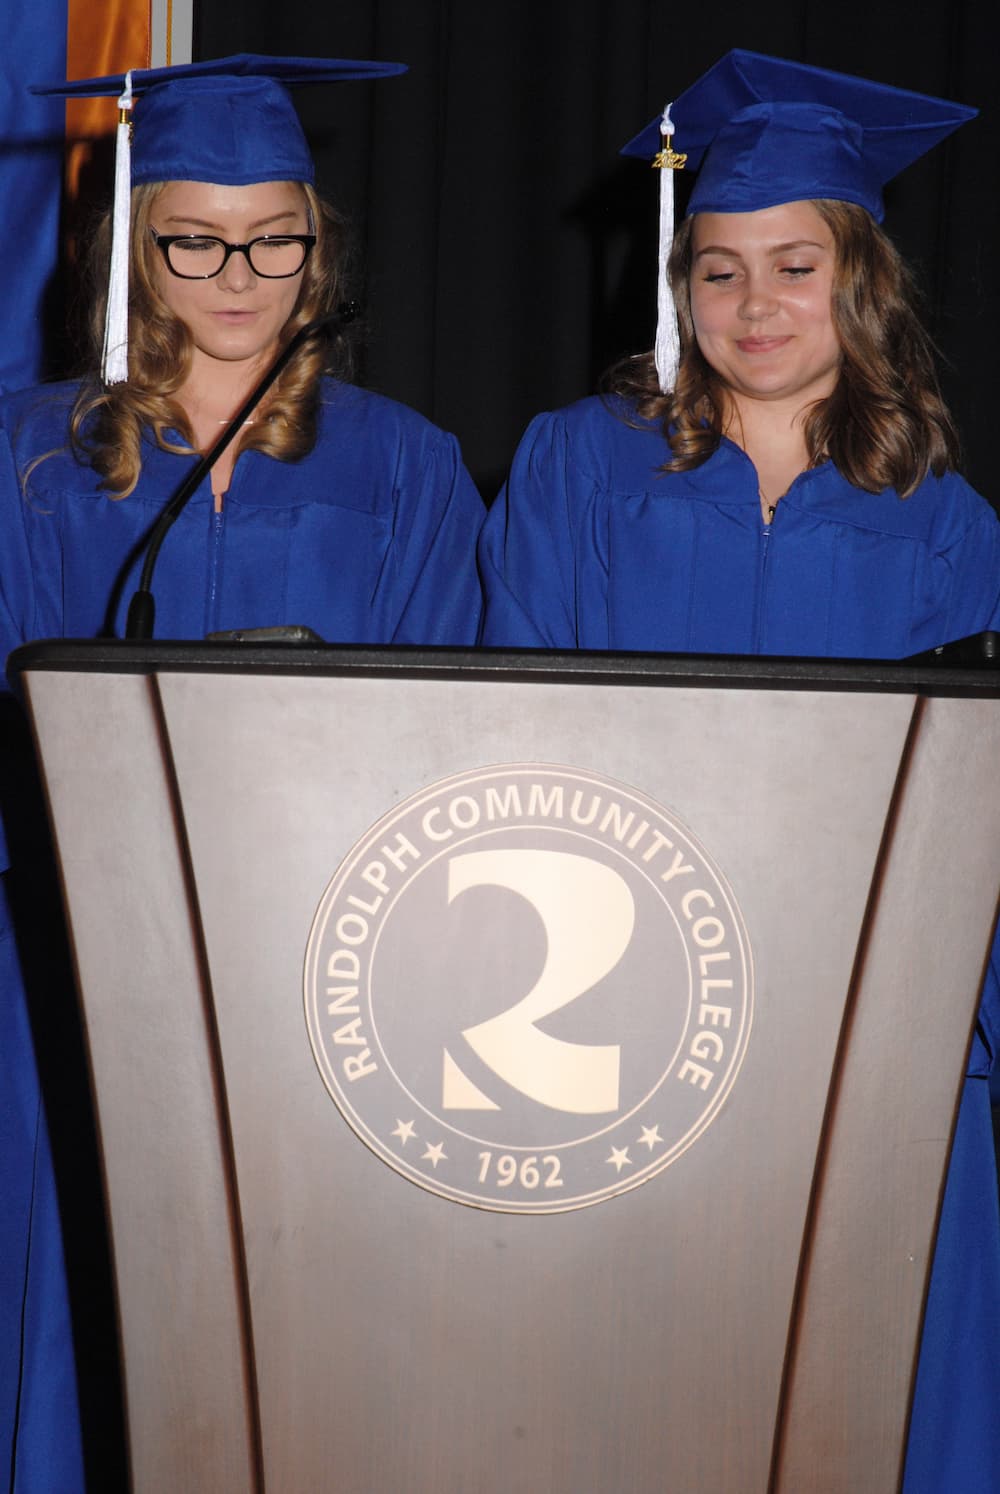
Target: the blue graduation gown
pixel 590 546
pixel 368 539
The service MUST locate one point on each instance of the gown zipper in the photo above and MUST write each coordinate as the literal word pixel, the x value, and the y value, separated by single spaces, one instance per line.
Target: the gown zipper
pixel 762 577
pixel 214 569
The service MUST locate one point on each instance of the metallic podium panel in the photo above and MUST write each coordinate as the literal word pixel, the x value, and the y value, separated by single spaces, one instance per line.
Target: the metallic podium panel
pixel 498 1069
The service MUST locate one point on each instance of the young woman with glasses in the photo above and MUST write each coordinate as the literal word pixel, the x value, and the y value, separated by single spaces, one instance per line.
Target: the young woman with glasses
pixel 332 508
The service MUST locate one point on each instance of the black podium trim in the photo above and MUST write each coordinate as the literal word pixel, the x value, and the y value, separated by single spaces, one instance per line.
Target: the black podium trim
pixel 545 665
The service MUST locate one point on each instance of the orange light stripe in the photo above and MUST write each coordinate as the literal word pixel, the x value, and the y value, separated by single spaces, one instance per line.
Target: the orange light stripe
pixel 102 36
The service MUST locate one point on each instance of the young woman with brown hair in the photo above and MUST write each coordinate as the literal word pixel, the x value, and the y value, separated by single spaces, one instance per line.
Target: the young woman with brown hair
pixel 789 486
pixel 882 425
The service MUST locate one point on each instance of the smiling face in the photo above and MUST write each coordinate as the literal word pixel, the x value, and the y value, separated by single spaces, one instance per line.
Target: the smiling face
pixel 237 316
pixel 761 289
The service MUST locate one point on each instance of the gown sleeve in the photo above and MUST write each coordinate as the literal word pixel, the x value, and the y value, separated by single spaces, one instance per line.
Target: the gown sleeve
pixel 433 580
pixel 527 547
pixel 968 556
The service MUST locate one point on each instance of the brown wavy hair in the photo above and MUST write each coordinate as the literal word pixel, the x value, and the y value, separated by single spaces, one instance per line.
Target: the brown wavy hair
pixel 108 421
pixel 884 426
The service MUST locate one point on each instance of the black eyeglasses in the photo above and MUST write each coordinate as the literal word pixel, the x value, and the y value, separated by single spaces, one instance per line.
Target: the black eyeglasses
pixel 195 256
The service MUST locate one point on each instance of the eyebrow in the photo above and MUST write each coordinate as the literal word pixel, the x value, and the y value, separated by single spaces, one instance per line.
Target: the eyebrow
pixel 777 249
pixel 221 227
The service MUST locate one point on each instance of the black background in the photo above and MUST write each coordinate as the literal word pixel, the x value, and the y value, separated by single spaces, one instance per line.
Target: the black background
pixel 508 253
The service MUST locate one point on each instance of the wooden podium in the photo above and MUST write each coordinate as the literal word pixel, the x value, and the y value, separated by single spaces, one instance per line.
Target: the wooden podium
pixel 520 1074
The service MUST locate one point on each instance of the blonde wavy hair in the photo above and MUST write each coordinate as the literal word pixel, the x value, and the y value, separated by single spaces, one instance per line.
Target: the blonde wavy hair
pixel 107 422
pixel 884 426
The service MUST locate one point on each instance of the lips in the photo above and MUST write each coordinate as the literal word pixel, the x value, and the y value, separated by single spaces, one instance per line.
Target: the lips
pixel 758 345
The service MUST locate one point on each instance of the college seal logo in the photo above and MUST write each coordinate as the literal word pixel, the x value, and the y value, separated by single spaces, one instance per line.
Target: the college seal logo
pixel 528 988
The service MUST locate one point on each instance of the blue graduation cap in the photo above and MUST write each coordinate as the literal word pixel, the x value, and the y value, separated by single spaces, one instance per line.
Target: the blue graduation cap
pixel 761 131
pixel 229 120
pixel 764 131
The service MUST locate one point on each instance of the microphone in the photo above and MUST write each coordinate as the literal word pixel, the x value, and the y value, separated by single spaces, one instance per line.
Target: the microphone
pixel 142 607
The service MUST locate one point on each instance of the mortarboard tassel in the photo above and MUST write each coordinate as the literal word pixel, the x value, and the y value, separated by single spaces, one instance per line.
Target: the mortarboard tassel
pixel 114 360
pixel 666 351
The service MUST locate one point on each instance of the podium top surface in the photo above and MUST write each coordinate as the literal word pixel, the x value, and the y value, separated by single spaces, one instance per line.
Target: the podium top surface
pixel 946 672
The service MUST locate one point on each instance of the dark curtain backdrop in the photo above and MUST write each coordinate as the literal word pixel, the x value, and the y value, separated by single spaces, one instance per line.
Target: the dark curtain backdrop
pixel 507 253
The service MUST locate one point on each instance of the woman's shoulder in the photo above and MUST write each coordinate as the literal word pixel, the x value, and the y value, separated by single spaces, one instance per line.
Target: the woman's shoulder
pixel 940 513
pixel 39 458
pixel 955 490
pixel 39 407
pixel 351 414
pixel 958 514
pixel 602 439
pixel 373 453
pixel 598 421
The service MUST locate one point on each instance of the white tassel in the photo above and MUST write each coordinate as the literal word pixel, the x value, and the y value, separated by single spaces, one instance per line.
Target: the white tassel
pixel 114 360
pixel 666 351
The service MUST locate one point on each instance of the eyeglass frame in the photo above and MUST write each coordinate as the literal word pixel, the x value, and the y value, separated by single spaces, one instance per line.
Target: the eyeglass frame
pixel 163 241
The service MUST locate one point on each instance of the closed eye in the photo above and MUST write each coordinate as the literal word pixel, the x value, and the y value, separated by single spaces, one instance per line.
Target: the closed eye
pixel 196 246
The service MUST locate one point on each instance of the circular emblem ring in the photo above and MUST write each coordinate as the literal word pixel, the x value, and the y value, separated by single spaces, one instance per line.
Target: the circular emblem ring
pixel 528 988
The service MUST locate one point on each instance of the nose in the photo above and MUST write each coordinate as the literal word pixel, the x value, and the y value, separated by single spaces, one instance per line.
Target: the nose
pixel 237 274
pixel 758 300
